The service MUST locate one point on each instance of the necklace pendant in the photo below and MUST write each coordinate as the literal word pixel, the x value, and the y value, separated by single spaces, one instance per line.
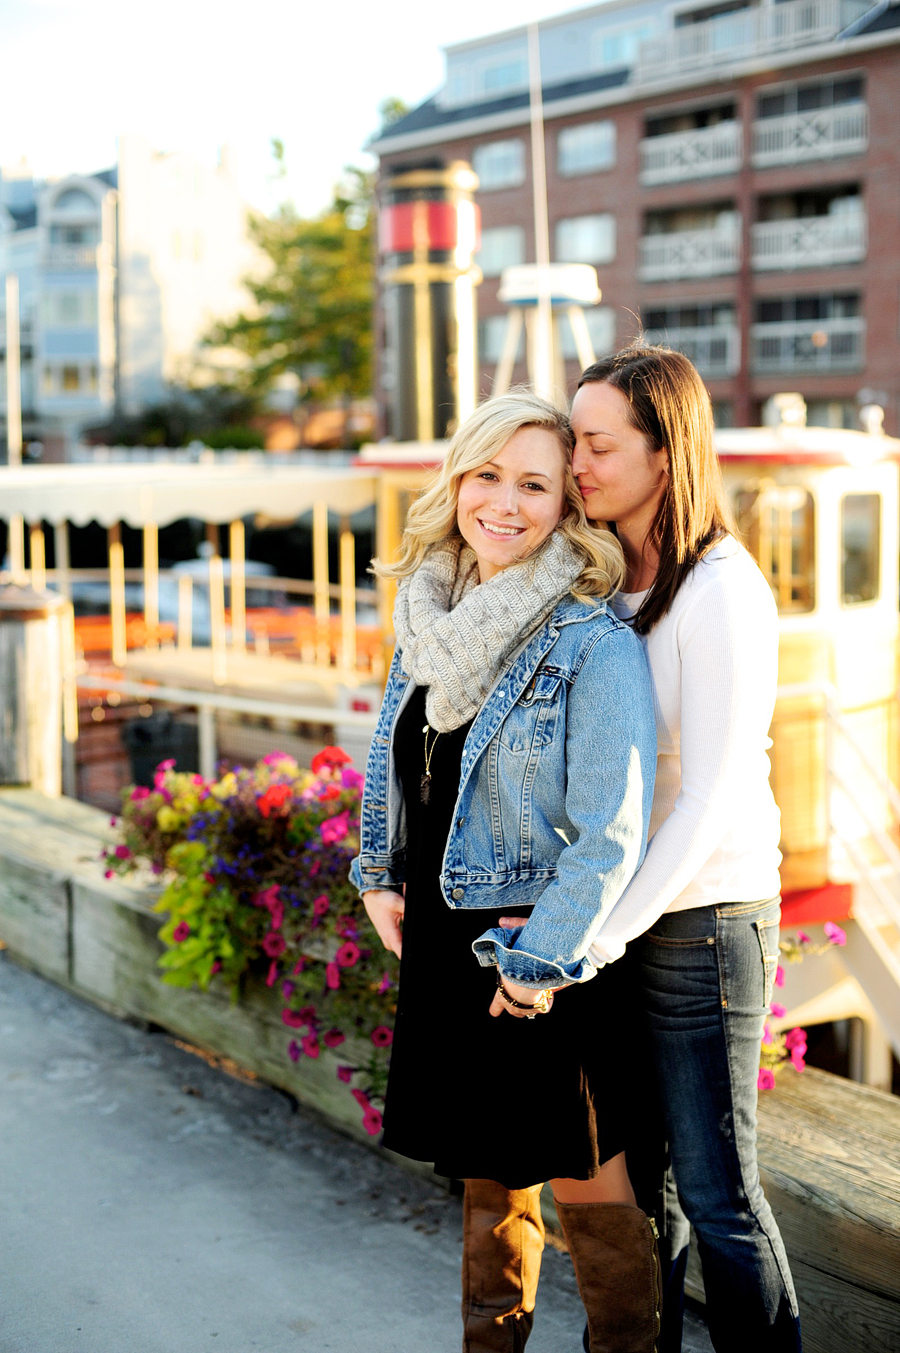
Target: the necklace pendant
pixel 425 788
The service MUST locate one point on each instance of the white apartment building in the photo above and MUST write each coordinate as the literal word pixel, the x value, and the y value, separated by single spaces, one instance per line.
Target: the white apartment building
pixel 120 274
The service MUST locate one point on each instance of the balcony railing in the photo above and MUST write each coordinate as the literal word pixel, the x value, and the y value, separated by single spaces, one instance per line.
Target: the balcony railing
pixel 71 256
pixel 715 349
pixel 690 253
pixel 745 34
pixel 819 135
pixel 809 345
pixel 691 155
pixel 808 242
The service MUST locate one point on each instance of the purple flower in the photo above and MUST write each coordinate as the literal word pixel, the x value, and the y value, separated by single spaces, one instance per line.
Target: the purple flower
pixel 385 984
pixel 351 779
pixel 294 1051
pixel 287 988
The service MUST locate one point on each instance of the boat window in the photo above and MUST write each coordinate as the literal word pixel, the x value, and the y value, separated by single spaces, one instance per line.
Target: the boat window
pixel 777 523
pixel 860 547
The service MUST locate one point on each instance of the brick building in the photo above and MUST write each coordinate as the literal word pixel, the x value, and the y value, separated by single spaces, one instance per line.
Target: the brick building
pixel 732 169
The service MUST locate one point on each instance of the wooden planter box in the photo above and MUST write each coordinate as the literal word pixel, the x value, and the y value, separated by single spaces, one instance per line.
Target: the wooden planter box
pixel 829 1149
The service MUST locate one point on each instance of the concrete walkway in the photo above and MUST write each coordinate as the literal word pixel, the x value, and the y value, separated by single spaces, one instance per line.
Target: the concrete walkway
pixel 151 1203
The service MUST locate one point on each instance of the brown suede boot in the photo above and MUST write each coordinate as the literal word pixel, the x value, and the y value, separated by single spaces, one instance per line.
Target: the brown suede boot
pixel 613 1249
pixel 503 1240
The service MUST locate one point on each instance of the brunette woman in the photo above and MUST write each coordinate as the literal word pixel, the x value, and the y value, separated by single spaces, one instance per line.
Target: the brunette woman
pixel 491 782
pixel 707 893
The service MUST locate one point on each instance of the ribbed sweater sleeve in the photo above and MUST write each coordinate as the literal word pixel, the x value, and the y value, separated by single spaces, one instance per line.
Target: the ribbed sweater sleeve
pixel 720 644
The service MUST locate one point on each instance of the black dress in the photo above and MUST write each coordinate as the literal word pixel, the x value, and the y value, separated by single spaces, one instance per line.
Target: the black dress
pixel 515 1100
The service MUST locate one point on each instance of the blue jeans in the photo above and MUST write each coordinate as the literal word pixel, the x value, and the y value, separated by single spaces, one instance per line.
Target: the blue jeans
pixel 708 975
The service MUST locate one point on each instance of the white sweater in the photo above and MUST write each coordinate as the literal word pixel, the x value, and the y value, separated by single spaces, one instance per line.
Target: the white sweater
pixel 714 827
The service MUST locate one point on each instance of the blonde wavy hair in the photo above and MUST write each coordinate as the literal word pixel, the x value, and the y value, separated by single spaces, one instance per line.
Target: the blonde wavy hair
pixel 432 517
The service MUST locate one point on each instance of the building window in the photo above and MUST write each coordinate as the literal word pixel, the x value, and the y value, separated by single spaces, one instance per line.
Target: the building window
pixel 586 239
pixel 492 336
pixel 501 247
pixel 601 325
pixel 832 413
pixel 618 50
pixel 71 378
pixel 500 164
pixel 860 547
pixel 506 75
pixel 809 97
pixel 75 201
pixel 69 309
pixel 76 236
pixel 777 523
pixel 586 148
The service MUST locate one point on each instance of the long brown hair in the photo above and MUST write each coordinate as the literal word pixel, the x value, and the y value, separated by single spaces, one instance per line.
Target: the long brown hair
pixel 669 404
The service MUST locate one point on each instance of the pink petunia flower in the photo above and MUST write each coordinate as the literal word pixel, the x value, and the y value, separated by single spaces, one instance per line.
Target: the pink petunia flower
pixel 274 944
pixel 802 937
pixel 216 967
pixel 294 1050
pixel 778 1010
pixel 344 1074
pixel 293 1018
pixel 113 821
pixel 779 976
pixel 834 933
pixel 794 1037
pixel 139 792
pixel 382 1036
pixel 287 988
pixel 272 975
pixel 267 897
pixel 385 984
pixel 372 1121
pixel 108 874
pixel 351 779
pixel 122 853
pixel 181 932
pixel 347 955
pixel 765 1080
pixel 334 829
pixel 310 1045
pixel 334 1038
pixel 332 976
pixel 361 1098
pixel 767 1034
pixel 798 1061
pixel 299 966
pixel 320 904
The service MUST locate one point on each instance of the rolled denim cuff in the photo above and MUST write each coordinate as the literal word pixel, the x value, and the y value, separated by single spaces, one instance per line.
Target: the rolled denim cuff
pixel 494 949
pixel 374 872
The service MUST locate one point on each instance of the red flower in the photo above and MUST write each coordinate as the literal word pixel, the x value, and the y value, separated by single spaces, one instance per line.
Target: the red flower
pixel 293 1018
pixel 181 932
pixel 329 759
pixel 347 955
pixel 382 1036
pixel 274 944
pixel 332 976
pixel 372 1121
pixel 330 792
pixel 344 1073
pixel 310 1045
pixel 333 1039
pixel 274 799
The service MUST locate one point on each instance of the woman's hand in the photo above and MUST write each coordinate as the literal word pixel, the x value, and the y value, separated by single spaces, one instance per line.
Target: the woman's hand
pixel 512 922
pixel 385 910
pixel 525 995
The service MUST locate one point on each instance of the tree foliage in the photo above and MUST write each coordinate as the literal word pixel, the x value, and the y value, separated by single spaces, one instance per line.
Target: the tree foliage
pixel 312 312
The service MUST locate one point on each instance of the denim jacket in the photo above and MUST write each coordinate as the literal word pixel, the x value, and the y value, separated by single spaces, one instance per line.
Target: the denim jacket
pixel 556 785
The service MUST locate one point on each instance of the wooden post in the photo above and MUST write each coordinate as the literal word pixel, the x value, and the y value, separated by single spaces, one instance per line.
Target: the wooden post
pixel 185 612
pixel 61 550
pixel 348 597
pixel 206 738
pixel 237 550
pixel 16 548
pixel 38 556
pixel 321 603
pixel 31 689
pixel 217 618
pixel 151 584
pixel 117 620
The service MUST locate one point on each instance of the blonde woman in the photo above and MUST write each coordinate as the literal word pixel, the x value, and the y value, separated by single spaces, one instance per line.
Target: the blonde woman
pixel 492 783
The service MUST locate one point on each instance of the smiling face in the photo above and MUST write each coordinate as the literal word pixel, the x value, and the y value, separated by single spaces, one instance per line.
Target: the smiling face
pixel 509 506
pixel 621 478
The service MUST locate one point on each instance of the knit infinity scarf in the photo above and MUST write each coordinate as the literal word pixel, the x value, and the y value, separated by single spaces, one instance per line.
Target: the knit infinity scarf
pixel 455 634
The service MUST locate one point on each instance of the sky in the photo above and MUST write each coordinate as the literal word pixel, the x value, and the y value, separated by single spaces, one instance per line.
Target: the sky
pixel 194 74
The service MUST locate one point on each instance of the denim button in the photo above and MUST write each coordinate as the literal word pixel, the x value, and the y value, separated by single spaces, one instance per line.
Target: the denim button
pixel 458 894
pixel 711 939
